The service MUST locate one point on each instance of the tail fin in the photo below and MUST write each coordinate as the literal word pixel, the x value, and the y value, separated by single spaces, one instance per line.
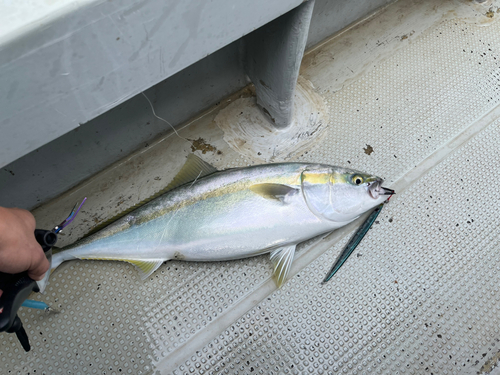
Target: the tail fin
pixel 54 261
pixel 58 258
pixel 42 284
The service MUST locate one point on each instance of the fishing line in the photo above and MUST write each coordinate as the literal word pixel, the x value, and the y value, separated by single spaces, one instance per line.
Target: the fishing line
pixel 199 174
pixel 158 117
pixel 177 134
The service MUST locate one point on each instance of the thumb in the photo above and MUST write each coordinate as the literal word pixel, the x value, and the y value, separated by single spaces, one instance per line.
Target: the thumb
pixel 39 266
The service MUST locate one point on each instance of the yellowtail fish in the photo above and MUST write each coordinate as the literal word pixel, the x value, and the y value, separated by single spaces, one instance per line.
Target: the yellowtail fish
pixel 233 214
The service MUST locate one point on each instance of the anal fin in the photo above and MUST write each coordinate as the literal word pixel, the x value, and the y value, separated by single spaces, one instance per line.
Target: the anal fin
pixel 145 267
pixel 282 259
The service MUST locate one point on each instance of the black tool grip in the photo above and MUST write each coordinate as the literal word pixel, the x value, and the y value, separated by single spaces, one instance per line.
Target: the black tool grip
pixel 16 288
pixel 21 334
pixel 45 238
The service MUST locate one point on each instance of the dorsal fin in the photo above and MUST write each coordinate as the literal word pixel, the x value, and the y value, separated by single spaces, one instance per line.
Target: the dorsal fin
pixel 193 169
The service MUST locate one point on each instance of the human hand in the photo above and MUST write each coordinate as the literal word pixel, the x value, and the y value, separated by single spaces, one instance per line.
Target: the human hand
pixel 19 250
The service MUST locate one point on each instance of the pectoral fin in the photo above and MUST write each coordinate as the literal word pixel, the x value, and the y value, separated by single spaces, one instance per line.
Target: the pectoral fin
pixel 273 191
pixel 282 259
pixel 145 267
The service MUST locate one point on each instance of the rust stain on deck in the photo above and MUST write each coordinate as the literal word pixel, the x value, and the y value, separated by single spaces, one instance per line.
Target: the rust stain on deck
pixel 201 145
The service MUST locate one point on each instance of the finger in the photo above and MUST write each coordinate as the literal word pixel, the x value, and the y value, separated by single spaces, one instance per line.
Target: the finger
pixel 27 217
pixel 39 267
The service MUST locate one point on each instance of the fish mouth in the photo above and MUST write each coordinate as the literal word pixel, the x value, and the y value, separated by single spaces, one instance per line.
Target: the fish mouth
pixel 375 189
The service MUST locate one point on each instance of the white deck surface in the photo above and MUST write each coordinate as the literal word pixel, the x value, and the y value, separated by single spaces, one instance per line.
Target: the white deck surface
pixel 65 62
pixel 413 95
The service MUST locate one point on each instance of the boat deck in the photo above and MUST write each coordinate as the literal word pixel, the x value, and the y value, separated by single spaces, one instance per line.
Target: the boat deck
pixel 413 94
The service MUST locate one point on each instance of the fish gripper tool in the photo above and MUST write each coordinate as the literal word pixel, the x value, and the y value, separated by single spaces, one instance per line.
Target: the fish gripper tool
pixel 17 287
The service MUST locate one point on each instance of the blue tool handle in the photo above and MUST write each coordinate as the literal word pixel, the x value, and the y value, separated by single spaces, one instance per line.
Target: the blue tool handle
pixel 35 304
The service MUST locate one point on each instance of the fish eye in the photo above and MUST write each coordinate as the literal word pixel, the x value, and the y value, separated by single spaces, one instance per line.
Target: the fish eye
pixel 357 180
